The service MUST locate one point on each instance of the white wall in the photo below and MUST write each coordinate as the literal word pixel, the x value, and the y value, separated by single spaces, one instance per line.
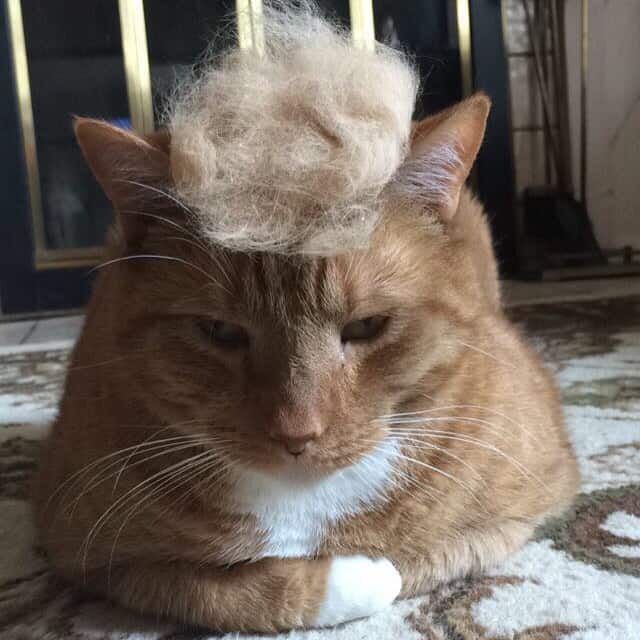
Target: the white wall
pixel 613 115
pixel 613 112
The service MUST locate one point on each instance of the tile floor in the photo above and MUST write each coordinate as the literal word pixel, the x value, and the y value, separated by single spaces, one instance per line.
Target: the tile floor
pixel 516 292
pixel 28 332
pixel 66 328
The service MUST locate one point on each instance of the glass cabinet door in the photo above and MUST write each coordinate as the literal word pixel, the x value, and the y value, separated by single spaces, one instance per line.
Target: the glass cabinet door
pixel 181 33
pixel 58 59
pixel 75 67
pixel 338 10
pixel 62 58
pixel 428 31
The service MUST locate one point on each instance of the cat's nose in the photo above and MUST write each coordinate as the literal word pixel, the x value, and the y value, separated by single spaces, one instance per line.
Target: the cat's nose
pixel 295 425
pixel 295 429
pixel 295 445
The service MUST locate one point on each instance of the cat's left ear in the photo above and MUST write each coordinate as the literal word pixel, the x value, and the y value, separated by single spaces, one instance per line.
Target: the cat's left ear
pixel 443 149
pixel 133 171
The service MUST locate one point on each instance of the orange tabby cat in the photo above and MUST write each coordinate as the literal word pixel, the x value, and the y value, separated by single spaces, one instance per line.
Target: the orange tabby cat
pixel 283 437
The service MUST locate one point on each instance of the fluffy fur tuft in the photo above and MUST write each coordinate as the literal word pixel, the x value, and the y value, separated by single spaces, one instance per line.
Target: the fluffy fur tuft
pixel 288 152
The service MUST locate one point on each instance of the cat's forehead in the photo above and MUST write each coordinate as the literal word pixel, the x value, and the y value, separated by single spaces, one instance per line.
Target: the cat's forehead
pixel 291 287
pixel 294 289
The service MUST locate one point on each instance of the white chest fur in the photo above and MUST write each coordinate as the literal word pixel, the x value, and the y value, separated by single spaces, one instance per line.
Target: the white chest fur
pixel 293 513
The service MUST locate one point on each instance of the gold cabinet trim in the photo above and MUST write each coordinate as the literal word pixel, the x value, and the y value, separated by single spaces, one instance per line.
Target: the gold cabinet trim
pixel 249 25
pixel 362 24
pixel 463 20
pixel 133 34
pixel 25 113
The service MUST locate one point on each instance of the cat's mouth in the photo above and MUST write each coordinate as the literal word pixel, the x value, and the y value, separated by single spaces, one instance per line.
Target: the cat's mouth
pixel 304 465
pixel 316 461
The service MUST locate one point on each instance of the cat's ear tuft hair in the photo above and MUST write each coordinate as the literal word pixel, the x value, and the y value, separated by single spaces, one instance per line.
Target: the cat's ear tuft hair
pixel 132 170
pixel 443 149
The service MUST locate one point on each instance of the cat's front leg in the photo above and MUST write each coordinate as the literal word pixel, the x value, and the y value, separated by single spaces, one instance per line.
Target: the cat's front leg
pixel 270 595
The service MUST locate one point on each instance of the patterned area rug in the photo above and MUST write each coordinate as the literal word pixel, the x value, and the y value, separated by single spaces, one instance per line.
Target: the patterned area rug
pixel 579 578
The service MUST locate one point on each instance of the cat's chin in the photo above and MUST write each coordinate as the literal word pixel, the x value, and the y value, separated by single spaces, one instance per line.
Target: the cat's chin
pixel 300 469
pixel 295 469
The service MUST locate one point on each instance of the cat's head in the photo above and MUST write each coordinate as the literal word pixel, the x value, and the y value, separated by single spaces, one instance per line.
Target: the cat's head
pixel 280 353
pixel 287 349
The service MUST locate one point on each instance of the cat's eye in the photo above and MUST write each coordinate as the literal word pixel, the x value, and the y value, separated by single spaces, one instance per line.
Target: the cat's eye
pixel 363 329
pixel 223 334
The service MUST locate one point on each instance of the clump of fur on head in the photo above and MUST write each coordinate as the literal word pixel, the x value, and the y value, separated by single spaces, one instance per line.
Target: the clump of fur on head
pixel 289 151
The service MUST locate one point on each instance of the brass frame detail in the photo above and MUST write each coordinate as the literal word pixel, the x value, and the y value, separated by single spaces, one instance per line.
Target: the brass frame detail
pixel 463 20
pixel 44 258
pixel 249 24
pixel 362 24
pixel 25 112
pixel 133 35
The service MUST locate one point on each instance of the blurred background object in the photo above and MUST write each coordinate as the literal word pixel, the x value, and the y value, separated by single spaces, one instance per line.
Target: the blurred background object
pixel 115 59
pixel 575 104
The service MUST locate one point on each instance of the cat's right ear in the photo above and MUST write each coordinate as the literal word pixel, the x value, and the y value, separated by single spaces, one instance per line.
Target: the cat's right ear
pixel 132 170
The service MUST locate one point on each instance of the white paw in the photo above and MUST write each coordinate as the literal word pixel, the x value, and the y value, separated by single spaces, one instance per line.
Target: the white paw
pixel 357 587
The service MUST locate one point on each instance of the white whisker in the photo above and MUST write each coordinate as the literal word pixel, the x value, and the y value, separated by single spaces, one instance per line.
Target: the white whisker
pixel 464 406
pixel 180 477
pixel 151 256
pixel 491 427
pixel 96 480
pixel 454 436
pixel 486 353
pixel 159 191
pixel 74 477
pixel 131 493
pixel 427 445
